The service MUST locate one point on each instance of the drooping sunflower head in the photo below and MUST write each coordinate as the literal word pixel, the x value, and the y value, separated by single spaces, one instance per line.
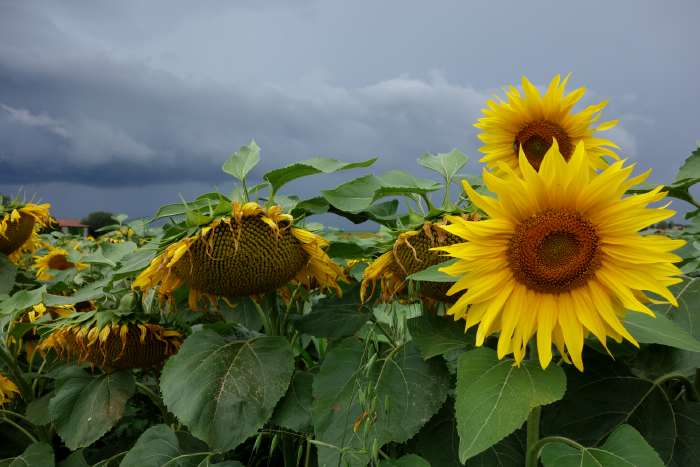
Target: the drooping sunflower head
pixel 112 344
pixel 531 121
pixel 8 390
pixel 410 253
pixel 252 251
pixel 560 257
pixel 55 259
pixel 19 227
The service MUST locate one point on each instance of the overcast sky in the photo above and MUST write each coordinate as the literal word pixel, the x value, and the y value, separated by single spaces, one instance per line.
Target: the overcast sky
pixel 120 106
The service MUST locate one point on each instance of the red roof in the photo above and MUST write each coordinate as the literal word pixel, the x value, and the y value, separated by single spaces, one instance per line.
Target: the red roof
pixel 70 223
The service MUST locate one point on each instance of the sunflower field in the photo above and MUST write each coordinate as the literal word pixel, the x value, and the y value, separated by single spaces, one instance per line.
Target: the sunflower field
pixel 544 312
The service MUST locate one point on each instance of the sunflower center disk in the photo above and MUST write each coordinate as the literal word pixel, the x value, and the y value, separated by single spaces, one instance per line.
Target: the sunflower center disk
pixel 554 251
pixel 60 262
pixel 536 138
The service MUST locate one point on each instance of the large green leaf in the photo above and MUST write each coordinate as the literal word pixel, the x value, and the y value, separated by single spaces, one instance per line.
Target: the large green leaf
pixel 357 405
pixel 660 330
pixel 398 182
pixel 438 442
pixel 433 273
pixel 212 381
pixel 354 196
pixel 294 410
pixel 446 164
pixel 607 395
pixel 36 455
pixel 158 446
pixel 625 447
pixel 85 407
pixel 335 317
pixel 240 163
pixel 687 448
pixel 437 335
pixel 494 397
pixel 317 165
pixel 690 169
pixel 8 271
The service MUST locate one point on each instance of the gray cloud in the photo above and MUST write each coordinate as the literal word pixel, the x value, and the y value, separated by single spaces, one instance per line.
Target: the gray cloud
pixel 134 101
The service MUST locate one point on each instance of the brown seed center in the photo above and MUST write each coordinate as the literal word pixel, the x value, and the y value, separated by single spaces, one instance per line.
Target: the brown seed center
pixel 554 251
pixel 536 138
pixel 60 262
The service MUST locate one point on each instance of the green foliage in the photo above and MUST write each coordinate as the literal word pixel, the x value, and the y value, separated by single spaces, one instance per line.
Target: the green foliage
pixel 159 446
pixel 360 400
pixel 36 455
pixel 240 163
pixel 8 272
pixel 212 379
pixel 438 335
pixel 86 407
pixel 279 177
pixel 494 397
pixel 624 447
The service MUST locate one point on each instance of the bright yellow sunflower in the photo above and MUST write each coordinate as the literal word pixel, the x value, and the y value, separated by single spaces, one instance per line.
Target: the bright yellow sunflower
pixel 56 259
pixel 531 121
pixel 8 390
pixel 19 229
pixel 253 251
pixel 560 256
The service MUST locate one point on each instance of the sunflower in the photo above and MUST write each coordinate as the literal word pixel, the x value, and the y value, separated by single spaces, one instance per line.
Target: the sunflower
pixel 55 259
pixel 532 121
pixel 410 253
pixel 55 311
pixel 19 228
pixel 251 252
pixel 8 389
pixel 112 345
pixel 560 256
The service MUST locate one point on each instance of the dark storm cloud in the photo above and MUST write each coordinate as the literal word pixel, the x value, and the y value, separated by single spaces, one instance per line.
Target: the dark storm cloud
pixel 121 105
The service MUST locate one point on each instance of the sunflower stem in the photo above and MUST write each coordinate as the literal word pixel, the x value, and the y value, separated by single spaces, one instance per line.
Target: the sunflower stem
pixel 25 389
pixel 533 436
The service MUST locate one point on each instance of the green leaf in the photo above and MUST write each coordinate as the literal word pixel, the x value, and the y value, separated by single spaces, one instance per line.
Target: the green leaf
pixel 690 168
pixel 409 460
pixel 8 271
pixel 22 300
pixel 437 335
pixel 85 407
pixel 397 393
pixel 660 330
pixel 38 410
pixel 625 447
pixel 36 455
pixel 240 163
pixel 438 442
pixel 308 207
pixel 335 317
pixel 494 397
pixel 446 164
pixel 433 273
pixel 687 448
pixel 76 459
pixel 135 261
pixel 317 165
pixel 398 182
pixel 224 381
pixel 605 396
pixel 294 410
pixel 158 446
pixel 354 196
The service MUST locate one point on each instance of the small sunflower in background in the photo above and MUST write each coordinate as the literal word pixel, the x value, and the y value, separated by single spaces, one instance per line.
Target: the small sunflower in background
pixel 531 121
pixel 8 390
pixel 412 252
pixel 56 259
pixel 110 342
pixel 560 256
pixel 251 251
pixel 19 227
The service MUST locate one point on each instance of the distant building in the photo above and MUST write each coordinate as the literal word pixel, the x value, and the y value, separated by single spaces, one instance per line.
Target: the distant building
pixel 72 226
